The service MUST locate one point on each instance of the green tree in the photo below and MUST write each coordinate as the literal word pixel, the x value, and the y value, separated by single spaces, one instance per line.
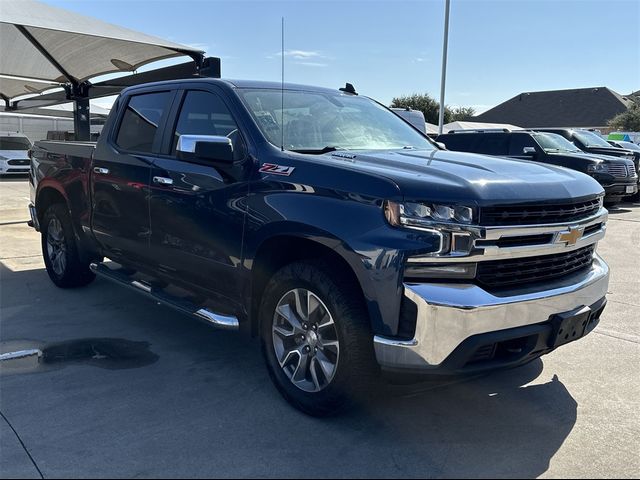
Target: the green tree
pixel 423 102
pixel 431 108
pixel 461 114
pixel 629 120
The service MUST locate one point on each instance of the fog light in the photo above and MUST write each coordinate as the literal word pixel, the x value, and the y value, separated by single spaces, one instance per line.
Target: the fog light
pixel 440 271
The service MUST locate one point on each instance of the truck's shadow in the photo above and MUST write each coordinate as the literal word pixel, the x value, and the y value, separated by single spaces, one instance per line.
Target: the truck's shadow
pixel 208 397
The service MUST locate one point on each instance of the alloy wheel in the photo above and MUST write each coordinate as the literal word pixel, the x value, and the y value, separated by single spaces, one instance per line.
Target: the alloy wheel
pixel 305 340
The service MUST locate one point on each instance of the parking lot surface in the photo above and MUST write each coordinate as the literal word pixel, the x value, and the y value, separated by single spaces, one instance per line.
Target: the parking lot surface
pixel 134 389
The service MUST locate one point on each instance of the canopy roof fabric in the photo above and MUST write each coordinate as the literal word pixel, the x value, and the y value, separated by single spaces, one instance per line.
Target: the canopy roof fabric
pixel 42 42
pixel 12 87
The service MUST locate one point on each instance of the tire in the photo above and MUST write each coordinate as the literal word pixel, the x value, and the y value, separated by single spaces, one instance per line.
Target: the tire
pixel 60 251
pixel 323 391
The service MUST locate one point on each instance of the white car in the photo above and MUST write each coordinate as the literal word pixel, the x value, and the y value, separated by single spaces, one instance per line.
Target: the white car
pixel 14 158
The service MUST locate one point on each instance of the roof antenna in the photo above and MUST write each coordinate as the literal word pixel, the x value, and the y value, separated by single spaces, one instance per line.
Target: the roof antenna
pixel 282 92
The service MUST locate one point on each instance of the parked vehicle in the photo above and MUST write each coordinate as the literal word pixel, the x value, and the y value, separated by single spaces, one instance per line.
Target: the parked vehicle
pixel 618 176
pixel 337 233
pixel 635 148
pixel 414 117
pixel 591 142
pixel 14 158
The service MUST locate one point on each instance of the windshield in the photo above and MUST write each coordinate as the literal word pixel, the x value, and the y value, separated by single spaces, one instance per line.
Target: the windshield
pixel 318 122
pixel 14 143
pixel 552 142
pixel 590 139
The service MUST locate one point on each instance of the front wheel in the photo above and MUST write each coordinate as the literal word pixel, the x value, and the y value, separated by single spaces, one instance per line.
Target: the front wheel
pixel 60 252
pixel 316 338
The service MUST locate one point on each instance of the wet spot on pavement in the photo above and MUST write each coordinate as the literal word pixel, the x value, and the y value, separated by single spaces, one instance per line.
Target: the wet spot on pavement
pixel 109 353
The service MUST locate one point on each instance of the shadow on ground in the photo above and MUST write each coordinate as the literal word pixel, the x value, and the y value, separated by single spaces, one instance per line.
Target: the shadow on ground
pixel 207 408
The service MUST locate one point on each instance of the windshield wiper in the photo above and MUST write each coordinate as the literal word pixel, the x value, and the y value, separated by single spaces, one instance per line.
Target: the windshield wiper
pixel 319 151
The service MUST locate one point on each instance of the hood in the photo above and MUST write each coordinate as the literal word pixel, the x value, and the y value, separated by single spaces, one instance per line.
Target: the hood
pixel 590 157
pixel 612 151
pixel 14 154
pixel 456 177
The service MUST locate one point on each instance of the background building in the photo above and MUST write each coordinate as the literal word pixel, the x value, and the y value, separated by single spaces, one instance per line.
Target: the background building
pixel 578 107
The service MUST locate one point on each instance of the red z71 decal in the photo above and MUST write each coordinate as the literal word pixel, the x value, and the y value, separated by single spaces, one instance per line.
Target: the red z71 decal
pixel 276 169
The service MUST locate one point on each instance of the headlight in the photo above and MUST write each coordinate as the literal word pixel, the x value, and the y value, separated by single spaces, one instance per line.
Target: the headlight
pixel 424 215
pixel 598 168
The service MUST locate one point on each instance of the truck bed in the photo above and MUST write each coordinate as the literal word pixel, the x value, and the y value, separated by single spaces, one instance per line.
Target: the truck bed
pixel 75 149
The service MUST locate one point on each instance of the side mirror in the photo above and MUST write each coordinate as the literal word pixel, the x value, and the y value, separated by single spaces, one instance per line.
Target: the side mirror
pixel 212 148
pixel 441 145
pixel 529 151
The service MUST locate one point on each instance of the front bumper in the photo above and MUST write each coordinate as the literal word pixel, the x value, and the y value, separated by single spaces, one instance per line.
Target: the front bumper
pixel 451 317
pixel 621 189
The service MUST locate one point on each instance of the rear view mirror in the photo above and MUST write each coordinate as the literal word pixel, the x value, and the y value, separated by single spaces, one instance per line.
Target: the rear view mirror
pixel 213 148
pixel 529 151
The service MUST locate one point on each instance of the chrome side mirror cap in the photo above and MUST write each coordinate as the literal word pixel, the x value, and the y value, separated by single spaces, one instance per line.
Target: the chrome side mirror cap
pixel 214 148
pixel 529 151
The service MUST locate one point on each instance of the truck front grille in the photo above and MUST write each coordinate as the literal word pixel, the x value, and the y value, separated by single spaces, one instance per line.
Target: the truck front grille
pixel 618 170
pixel 18 161
pixel 538 214
pixel 523 271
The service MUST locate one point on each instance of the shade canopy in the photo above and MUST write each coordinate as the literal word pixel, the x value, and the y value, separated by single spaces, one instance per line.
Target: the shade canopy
pixel 41 42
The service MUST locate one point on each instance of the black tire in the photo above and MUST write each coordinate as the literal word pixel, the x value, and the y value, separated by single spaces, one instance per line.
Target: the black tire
pixel 68 271
pixel 356 368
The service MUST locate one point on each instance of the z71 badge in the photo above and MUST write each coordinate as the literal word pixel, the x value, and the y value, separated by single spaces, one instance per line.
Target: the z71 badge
pixel 276 169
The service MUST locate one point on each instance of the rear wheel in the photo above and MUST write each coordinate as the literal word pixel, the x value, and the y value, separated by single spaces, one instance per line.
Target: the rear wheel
pixel 316 339
pixel 60 252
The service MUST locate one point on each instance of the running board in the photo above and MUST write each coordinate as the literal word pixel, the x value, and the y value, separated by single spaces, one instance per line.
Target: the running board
pixel 226 322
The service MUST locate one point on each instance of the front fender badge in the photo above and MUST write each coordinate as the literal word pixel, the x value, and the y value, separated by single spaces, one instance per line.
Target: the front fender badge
pixel 276 169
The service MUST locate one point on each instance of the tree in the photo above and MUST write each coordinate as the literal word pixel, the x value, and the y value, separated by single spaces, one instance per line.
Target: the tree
pixel 431 108
pixel 420 101
pixel 461 114
pixel 629 120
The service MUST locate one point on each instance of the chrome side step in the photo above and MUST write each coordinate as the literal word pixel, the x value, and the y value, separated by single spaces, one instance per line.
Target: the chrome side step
pixel 226 322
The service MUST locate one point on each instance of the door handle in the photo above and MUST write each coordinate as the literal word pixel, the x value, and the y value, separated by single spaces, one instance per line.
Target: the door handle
pixel 162 181
pixel 101 171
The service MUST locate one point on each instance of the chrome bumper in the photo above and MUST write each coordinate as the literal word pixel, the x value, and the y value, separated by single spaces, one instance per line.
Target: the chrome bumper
pixel 448 314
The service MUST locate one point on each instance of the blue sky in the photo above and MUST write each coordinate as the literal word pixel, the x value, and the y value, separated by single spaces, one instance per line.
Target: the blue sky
pixel 497 48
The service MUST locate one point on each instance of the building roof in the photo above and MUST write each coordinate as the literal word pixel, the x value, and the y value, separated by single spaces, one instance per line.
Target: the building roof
pixel 578 107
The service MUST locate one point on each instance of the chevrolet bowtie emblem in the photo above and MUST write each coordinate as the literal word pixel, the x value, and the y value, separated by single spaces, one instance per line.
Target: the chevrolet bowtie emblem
pixel 571 236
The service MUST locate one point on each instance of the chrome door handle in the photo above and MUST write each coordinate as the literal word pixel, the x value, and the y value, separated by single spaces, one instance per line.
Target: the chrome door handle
pixel 162 181
pixel 101 171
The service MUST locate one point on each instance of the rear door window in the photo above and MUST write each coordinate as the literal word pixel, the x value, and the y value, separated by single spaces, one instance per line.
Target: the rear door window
pixel 139 126
pixel 493 144
pixel 460 142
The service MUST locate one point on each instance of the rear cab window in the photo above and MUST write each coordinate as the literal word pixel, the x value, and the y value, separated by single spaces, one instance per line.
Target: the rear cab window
pixel 139 123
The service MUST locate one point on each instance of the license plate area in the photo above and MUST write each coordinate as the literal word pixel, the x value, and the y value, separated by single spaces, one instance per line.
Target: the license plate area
pixel 569 326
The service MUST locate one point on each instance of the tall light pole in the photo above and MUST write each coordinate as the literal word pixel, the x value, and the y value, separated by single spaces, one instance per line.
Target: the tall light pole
pixel 444 65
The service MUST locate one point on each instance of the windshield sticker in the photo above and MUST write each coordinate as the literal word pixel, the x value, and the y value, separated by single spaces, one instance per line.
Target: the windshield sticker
pixel 276 169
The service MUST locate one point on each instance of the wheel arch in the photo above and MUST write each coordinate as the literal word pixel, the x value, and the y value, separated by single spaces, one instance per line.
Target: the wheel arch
pixel 282 249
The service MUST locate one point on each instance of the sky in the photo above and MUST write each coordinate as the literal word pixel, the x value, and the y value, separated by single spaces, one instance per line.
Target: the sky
pixel 497 48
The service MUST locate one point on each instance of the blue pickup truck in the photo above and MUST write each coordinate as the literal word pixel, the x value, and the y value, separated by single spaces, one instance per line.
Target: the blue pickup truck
pixel 323 223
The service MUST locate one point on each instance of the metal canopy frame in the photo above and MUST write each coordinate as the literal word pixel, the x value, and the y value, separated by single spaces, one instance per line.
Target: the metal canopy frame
pixel 81 93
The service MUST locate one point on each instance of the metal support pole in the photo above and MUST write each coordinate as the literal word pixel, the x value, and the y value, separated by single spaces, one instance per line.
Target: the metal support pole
pixel 82 119
pixel 444 65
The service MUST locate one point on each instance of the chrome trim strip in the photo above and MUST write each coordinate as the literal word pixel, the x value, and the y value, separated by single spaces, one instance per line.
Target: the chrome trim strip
pixel 491 252
pixel 228 322
pixel 141 286
pixel 448 314
pixel 20 354
pixel 34 217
